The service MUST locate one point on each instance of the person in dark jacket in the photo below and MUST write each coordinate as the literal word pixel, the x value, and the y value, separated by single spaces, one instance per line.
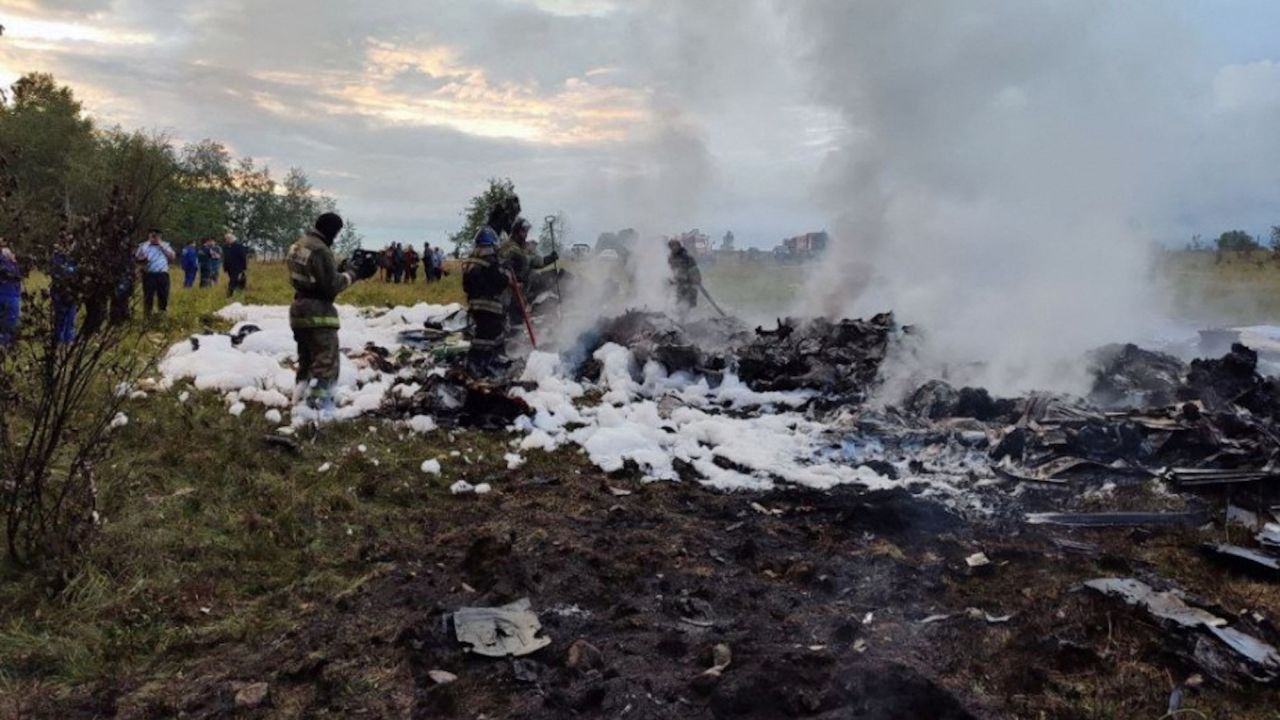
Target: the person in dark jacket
pixel 235 259
pixel 427 260
pixel 317 279
pixel 190 265
pixel 410 264
pixel 437 262
pixel 62 293
pixel 397 263
pixel 10 295
pixel 210 257
pixel 485 282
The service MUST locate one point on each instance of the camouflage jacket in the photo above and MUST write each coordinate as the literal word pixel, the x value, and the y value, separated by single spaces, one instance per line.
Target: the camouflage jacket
pixel 316 280
pixel 484 278
pixel 684 269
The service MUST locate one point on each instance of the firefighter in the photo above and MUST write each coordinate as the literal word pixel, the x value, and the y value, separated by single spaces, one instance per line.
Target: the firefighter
pixel 523 259
pixel 317 279
pixel 485 281
pixel 685 276
pixel 513 258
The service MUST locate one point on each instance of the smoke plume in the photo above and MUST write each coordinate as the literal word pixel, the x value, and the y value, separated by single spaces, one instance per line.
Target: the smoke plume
pixel 997 168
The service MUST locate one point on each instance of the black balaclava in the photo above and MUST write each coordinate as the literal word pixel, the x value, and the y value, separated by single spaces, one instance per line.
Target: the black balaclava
pixel 329 225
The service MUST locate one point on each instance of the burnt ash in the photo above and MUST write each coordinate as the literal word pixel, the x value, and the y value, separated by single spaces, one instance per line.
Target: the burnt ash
pixel 1127 377
pixel 840 358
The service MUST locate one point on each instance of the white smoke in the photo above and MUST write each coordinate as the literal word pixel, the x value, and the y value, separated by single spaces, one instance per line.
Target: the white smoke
pixel 999 164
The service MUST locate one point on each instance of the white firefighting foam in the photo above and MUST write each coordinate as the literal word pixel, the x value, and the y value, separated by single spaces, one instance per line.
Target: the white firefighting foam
pixel 729 435
pixel 259 369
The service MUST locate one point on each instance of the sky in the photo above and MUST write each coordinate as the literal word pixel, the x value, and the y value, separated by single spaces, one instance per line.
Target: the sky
pixel 666 115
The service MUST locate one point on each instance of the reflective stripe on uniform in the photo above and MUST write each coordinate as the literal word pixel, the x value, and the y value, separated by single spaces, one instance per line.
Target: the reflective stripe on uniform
pixel 315 321
pixel 483 344
pixel 489 306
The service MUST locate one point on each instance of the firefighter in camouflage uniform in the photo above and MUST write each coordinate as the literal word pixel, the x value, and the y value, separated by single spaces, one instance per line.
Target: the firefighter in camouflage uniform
pixel 520 255
pixel 317 279
pixel 486 281
pixel 685 276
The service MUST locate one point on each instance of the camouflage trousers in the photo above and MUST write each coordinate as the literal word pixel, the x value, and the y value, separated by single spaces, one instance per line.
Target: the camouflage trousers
pixel 686 296
pixel 488 337
pixel 317 356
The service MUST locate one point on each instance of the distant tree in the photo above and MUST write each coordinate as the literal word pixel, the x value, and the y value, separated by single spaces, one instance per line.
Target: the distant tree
pixel 1275 238
pixel 726 243
pixel 205 183
pixel 477 212
pixel 145 169
pixel 45 134
pixel 297 210
pixel 60 169
pixel 1237 241
pixel 349 240
pixel 252 206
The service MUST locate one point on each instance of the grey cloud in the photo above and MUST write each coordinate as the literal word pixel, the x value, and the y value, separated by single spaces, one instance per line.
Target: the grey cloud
pixel 747 99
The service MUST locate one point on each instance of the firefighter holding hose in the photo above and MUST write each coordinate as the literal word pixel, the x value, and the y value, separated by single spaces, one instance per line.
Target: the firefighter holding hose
pixel 686 278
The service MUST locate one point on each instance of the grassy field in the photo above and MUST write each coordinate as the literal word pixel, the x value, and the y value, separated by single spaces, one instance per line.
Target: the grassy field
pixel 204 527
pixel 212 538
pixel 1239 290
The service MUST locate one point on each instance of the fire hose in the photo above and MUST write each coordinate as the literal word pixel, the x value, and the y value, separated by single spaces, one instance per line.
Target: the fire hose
pixel 524 309
pixel 711 300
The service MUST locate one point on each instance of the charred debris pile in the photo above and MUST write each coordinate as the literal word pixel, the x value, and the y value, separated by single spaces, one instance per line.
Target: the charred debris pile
pixel 838 360
pixel 1213 422
pixel 1156 442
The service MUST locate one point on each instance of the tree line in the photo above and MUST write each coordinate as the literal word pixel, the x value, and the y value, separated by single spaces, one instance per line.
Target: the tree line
pixel 1237 241
pixel 64 166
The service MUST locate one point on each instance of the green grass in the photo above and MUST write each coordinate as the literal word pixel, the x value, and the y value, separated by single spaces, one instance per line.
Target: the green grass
pixel 212 537
pixel 1239 290
pixel 193 308
pixel 209 535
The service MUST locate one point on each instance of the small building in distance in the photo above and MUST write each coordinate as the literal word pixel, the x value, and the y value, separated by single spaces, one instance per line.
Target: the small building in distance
pixel 802 247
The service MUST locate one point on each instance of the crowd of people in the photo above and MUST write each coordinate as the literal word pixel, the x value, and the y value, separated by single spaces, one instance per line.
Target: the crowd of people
pixel 202 262
pixel 206 259
pixel 399 263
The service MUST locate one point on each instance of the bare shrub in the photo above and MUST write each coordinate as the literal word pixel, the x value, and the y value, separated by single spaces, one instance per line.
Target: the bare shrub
pixel 61 386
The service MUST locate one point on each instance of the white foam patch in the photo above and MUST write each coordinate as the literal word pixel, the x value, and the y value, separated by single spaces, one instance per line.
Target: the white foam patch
pixel 731 435
pixel 421 424
pixel 260 369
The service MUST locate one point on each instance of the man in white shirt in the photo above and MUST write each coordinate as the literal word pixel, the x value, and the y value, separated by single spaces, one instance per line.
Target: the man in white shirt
pixel 154 255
